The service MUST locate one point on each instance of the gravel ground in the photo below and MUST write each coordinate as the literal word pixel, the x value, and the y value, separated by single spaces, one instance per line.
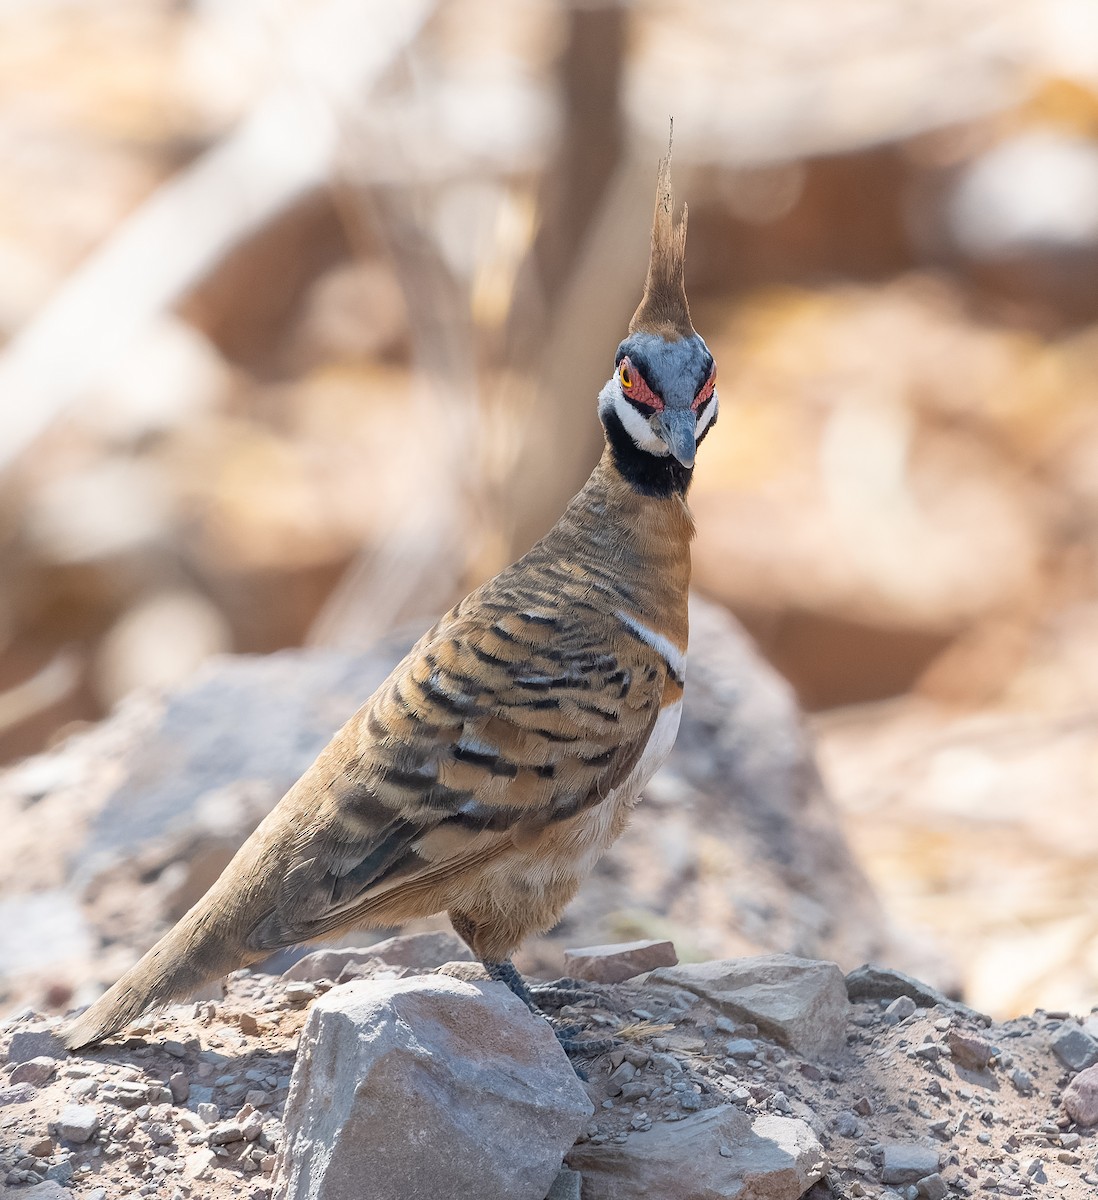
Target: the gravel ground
pixel 925 1100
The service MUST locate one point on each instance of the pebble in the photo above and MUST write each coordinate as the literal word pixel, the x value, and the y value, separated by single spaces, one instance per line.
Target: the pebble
pixel 741 1048
pixel 846 1124
pixel 1022 1081
pixel 970 1051
pixel 900 1009
pixel 180 1087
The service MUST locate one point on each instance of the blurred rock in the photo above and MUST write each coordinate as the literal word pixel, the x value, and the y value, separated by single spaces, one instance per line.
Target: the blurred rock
pixel 385 1070
pixel 798 1002
pixel 1081 1098
pixel 416 951
pixel 706 1156
pixel 612 964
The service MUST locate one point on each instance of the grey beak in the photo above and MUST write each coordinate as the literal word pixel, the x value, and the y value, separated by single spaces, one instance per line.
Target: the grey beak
pixel 677 427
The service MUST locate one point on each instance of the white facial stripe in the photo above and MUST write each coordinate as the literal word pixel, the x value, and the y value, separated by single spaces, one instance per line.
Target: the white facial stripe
pixel 634 423
pixel 706 418
pixel 664 647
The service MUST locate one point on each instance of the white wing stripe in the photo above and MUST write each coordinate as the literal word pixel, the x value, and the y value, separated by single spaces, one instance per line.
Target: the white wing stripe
pixel 664 647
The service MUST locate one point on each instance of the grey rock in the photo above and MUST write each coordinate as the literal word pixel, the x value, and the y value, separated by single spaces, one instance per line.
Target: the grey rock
pixel 711 1155
pixel 1081 1098
pixel 871 982
pixel 60 1172
pixel 385 1068
pixel 933 1187
pixel 970 1051
pixel 1022 1081
pixel 1074 1047
pixel 180 1087
pixel 740 1048
pixel 19 1093
pixel 900 1008
pixel 35 1043
pixel 908 1162
pixel 36 1071
pixel 618 961
pixel 846 1124
pixel 48 1189
pixel 566 1186
pixel 78 1123
pixel 419 951
pixel 798 1002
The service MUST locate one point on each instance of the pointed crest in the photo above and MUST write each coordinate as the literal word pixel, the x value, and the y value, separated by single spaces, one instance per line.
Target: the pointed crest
pixel 664 309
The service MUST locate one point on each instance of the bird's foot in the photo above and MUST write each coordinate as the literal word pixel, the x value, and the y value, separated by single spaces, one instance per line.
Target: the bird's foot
pixel 559 992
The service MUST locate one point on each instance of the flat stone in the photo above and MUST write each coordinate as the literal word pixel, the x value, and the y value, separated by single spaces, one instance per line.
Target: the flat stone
pixel 35 1043
pixel 1081 1098
pixel 799 1002
pixel 48 1189
pixel 620 961
pixel 710 1155
pixel 908 1162
pixel 740 1048
pixel 933 1187
pixel 78 1123
pixel 1074 1047
pixel 387 1067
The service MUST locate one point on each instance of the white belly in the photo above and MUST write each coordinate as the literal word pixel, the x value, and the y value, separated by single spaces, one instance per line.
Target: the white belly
pixel 602 822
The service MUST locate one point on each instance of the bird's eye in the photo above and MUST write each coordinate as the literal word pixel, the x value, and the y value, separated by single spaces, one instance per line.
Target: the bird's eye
pixel 626 376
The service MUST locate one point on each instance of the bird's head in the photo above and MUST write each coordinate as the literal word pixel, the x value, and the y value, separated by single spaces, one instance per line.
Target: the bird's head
pixel 662 398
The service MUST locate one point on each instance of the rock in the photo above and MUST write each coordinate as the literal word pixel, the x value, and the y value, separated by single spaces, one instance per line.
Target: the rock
pixel 900 1008
pixel 932 1187
pixel 180 1087
pixel 1081 1098
pixel 420 951
pixel 614 963
pixel 48 1189
pixel 35 1043
pixel 566 1186
pixel 1022 1081
pixel 36 1071
pixel 78 1123
pixel 386 1068
pixel 870 982
pixel 740 1048
pixel 1075 1048
pixel 908 1162
pixel 799 1002
pixel 970 1051
pixel 710 1155
pixel 19 1093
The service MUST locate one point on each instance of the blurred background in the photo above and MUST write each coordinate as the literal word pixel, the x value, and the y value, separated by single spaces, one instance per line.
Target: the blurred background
pixel 304 305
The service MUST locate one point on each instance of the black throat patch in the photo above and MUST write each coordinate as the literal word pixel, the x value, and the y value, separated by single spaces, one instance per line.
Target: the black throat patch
pixel 649 474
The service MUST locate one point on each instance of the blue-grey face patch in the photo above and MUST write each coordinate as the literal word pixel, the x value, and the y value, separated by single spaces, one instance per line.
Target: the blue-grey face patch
pixel 675 371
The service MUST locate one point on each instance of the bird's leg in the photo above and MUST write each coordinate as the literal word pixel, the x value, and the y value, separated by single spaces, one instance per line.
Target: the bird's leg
pixel 505 972
pixel 560 992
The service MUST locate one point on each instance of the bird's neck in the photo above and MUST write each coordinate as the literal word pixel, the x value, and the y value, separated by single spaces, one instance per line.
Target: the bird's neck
pixel 648 474
pixel 640 541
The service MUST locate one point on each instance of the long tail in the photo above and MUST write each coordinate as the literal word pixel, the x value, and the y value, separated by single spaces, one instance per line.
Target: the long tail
pixel 203 946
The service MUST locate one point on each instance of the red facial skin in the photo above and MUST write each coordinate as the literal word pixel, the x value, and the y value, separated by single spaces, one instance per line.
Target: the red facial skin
pixel 633 385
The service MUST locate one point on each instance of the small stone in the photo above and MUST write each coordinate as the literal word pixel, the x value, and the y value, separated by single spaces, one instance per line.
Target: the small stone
pixel 257 1098
pixel 248 1024
pixel 619 1077
pixel 615 963
pixel 846 1124
pixel 900 1008
pixel 175 1049
pixel 908 1162
pixel 566 1186
pixel 1081 1098
pixel 742 1048
pixel 228 1131
pixel 78 1123
pixel 42 1148
pixel 933 1187
pixel 209 1113
pixel 300 993
pixel 1075 1048
pixel 36 1071
pixel 970 1051
pixel 180 1087
pixel 862 1107
pixel 1022 1081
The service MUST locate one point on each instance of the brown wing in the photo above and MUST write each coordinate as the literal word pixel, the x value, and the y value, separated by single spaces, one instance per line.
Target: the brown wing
pixel 497 724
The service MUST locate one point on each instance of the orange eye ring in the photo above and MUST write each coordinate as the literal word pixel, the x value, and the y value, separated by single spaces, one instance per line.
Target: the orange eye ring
pixel 626 377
